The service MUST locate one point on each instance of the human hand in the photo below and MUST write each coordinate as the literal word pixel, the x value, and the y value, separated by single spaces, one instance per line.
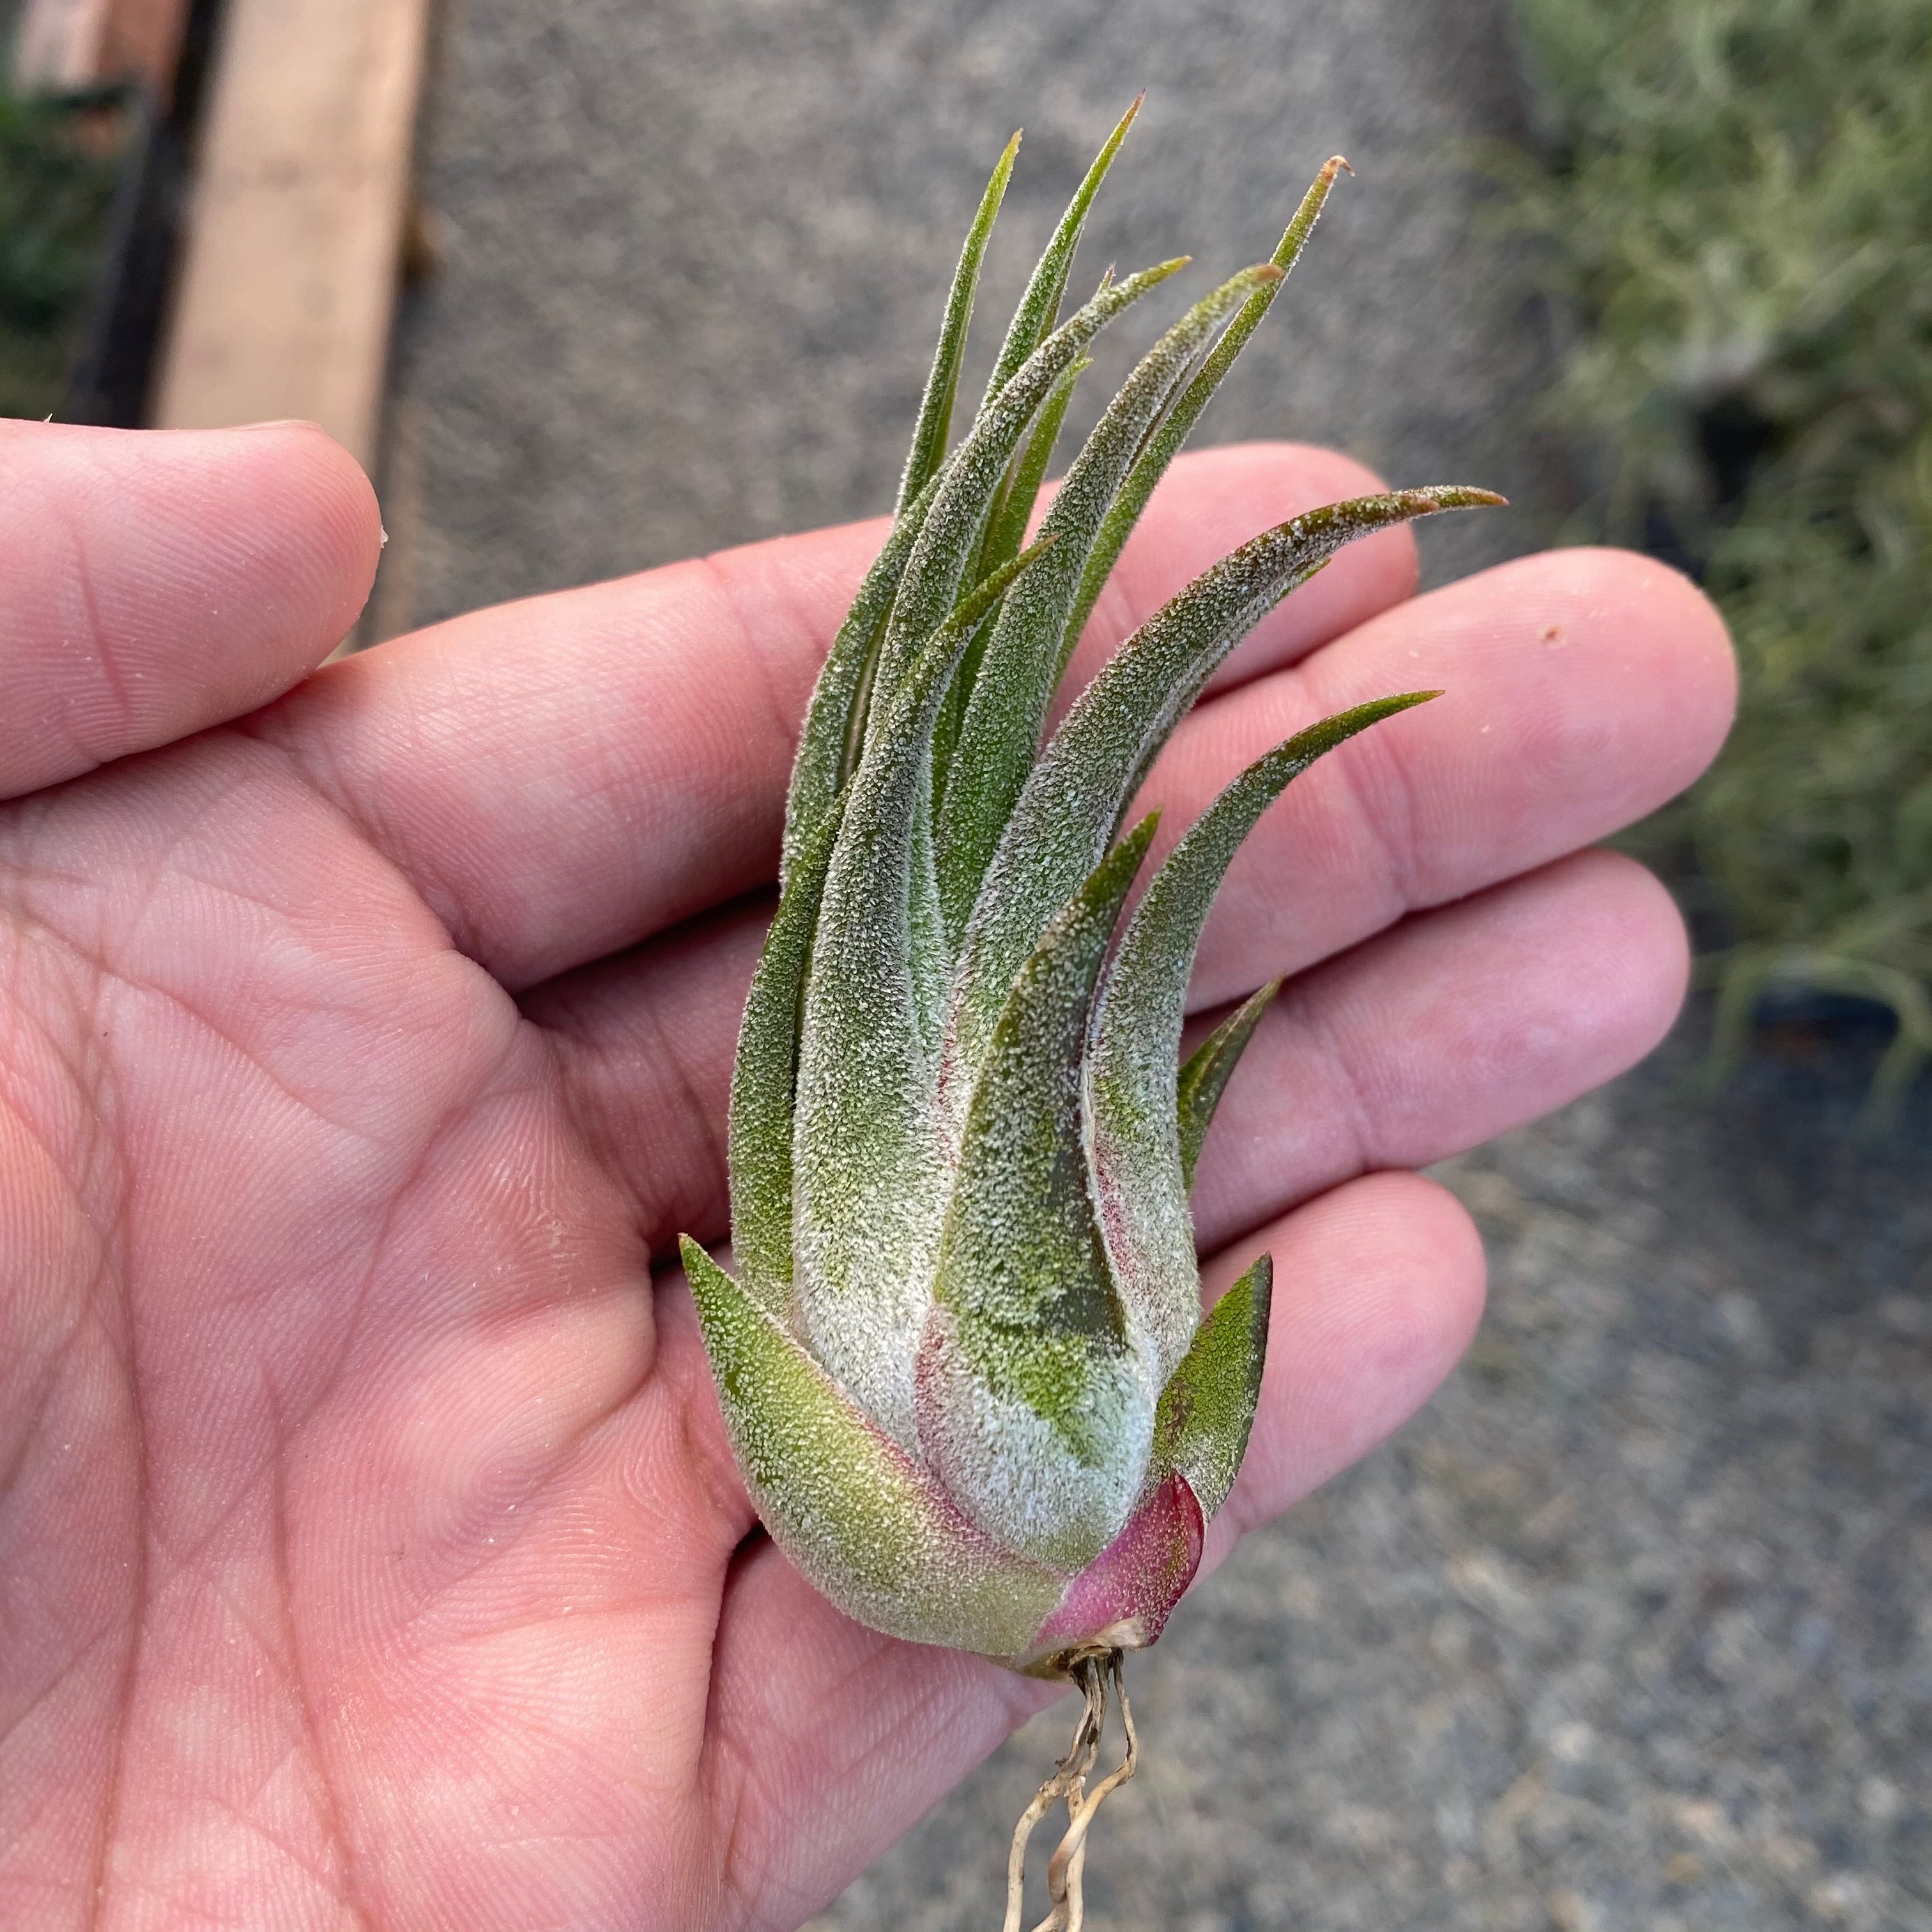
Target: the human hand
pixel 370 1550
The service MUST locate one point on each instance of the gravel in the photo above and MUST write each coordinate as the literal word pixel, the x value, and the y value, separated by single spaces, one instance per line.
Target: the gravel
pixel 1632 1627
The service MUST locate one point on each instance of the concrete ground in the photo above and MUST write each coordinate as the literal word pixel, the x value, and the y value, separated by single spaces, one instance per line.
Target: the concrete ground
pixel 695 253
pixel 1630 1629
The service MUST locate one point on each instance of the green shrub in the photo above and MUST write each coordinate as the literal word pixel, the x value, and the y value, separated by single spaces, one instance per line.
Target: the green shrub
pixel 1733 207
pixel 56 190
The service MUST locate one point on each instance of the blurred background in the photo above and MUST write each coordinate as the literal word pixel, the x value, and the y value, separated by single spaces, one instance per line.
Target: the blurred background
pixel 1633 1626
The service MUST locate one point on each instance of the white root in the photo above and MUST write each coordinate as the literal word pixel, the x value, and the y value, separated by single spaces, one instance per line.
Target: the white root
pixel 1097 1674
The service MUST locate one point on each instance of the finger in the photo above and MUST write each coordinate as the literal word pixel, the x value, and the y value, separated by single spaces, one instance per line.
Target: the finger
pixel 1379 1285
pixel 1582 689
pixel 154 583
pixel 1585 688
pixel 829 1741
pixel 563 777
pixel 1455 1026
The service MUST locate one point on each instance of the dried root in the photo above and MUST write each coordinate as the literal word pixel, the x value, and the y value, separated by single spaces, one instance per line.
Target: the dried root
pixel 1095 1673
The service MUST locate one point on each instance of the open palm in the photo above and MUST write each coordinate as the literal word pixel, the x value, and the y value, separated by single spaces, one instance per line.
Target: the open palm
pixel 370 1552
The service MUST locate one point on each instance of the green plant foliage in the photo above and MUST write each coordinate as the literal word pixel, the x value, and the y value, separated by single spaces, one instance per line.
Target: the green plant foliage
pixel 964 1369
pixel 1734 209
pixel 55 191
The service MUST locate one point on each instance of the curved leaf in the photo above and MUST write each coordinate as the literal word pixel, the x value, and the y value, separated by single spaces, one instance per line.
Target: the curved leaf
pixel 764 1078
pixel 1076 794
pixel 1034 1406
pixel 1139 1166
pixel 1205 1071
pixel 1207 1408
pixel 845 1502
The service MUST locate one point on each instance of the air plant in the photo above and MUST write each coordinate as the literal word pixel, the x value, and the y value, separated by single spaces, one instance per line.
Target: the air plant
pixel 963 1362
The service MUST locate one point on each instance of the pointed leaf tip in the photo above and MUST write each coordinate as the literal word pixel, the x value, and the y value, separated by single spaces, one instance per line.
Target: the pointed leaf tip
pixel 1040 303
pixel 1205 1073
pixel 934 428
pixel 1207 1410
pixel 1452 496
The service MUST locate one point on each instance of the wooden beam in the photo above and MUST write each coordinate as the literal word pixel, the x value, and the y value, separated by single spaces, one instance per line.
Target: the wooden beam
pixel 63 44
pixel 295 233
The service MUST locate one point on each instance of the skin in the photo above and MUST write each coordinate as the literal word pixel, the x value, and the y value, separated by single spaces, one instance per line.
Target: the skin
pixel 370 1553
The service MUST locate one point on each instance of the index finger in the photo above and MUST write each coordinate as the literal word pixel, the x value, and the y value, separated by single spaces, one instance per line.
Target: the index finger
pixel 563 777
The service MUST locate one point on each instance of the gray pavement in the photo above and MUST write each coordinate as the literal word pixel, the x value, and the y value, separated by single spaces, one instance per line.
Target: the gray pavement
pixel 694 253
pixel 1631 1628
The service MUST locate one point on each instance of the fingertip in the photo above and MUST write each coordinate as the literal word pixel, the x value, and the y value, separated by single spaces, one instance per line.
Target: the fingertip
pixel 1418 1285
pixel 1670 626
pixel 323 515
pixel 159 582
pixel 1645 938
pixel 1583 690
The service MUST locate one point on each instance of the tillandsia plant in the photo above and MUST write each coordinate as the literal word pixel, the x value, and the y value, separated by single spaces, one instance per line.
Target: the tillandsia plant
pixel 963 1362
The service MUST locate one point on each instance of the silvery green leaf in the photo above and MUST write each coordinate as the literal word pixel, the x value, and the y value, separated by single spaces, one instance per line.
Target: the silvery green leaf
pixel 855 1513
pixel 1006 530
pixel 868 1183
pixel 1132 1104
pixel 1035 1403
pixel 764 1077
pixel 1076 794
pixel 1207 1407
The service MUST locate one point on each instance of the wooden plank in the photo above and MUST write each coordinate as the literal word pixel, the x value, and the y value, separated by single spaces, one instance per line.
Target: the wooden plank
pixel 61 44
pixel 296 230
